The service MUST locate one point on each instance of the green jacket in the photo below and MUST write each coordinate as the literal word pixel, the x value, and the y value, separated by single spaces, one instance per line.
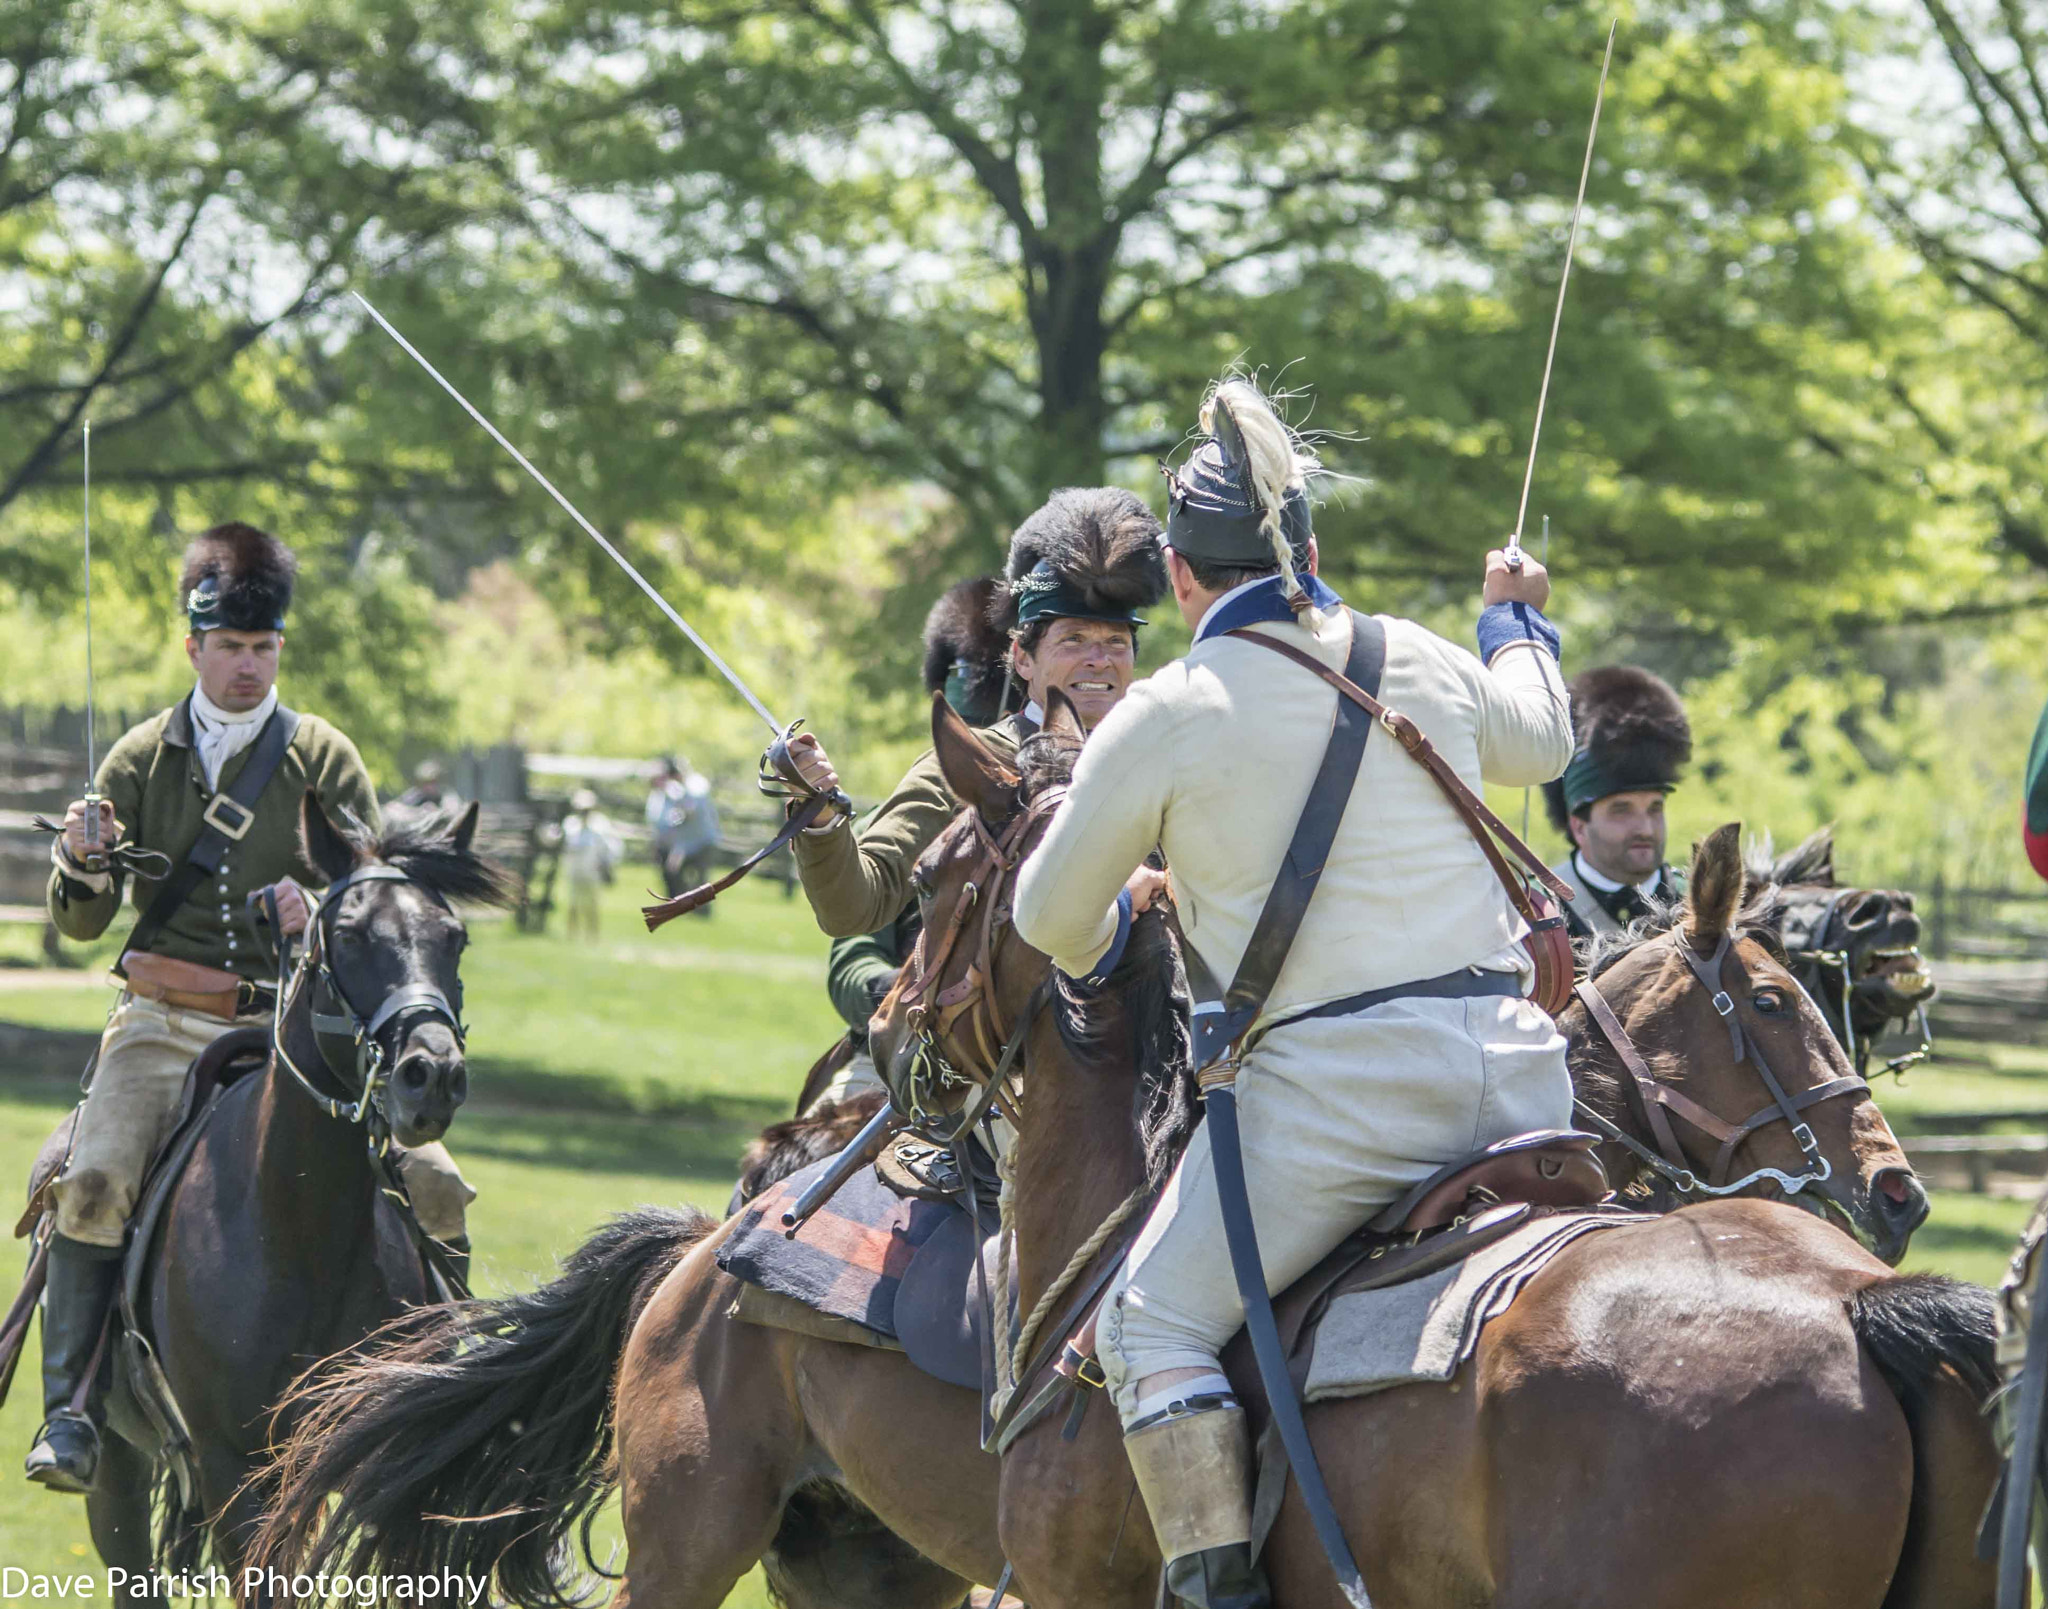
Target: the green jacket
pixel 861 969
pixel 158 790
pixel 858 879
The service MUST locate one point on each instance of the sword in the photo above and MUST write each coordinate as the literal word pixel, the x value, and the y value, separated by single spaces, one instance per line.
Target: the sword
pixel 1514 547
pixel 93 858
pixel 778 751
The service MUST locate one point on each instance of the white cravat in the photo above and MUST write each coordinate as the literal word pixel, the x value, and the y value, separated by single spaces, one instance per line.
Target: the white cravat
pixel 220 735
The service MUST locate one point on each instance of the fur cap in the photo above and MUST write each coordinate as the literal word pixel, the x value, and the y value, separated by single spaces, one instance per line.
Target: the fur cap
pixel 966 656
pixel 1631 733
pixel 237 578
pixel 1092 552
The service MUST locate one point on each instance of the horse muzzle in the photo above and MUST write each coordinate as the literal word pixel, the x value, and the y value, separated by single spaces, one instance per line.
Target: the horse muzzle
pixel 428 1082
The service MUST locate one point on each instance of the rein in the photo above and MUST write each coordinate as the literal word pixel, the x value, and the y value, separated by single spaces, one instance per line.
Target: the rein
pixel 1657 1098
pixel 972 996
pixel 344 1030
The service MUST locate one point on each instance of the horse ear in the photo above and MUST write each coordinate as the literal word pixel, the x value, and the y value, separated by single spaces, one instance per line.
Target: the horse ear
pixel 465 829
pixel 975 775
pixel 1062 720
pixel 325 847
pixel 1714 891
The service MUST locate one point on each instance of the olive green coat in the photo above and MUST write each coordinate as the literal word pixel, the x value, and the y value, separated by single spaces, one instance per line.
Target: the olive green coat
pixel 858 878
pixel 158 790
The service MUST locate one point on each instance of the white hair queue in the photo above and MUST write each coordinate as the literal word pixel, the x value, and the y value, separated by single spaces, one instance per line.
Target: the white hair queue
pixel 1280 462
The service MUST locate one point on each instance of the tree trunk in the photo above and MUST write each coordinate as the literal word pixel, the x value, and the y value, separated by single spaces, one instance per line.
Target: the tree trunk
pixel 1067 266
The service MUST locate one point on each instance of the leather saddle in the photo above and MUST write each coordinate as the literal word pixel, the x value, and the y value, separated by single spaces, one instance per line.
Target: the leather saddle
pixel 229 1058
pixel 1440 1220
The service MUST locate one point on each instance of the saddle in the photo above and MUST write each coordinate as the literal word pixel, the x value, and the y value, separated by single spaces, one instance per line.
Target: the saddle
pixel 1442 1219
pixel 891 1262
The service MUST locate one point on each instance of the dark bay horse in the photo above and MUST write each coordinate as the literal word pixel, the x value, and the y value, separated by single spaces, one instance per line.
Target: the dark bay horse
pixel 1856 950
pixel 1751 1367
pixel 277 1247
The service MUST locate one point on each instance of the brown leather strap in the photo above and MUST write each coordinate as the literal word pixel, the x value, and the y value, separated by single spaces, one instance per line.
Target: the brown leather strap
pixel 1647 1087
pixel 691 898
pixel 1479 819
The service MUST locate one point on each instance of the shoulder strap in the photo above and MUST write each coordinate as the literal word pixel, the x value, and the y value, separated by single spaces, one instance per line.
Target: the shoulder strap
pixel 1302 866
pixel 1483 824
pixel 227 819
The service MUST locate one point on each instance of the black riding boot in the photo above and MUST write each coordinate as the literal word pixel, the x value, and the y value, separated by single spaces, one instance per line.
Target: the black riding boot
pixel 1218 1578
pixel 82 1282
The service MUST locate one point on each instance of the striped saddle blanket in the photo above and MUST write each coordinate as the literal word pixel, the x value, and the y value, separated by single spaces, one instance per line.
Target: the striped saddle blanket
pixel 899 1268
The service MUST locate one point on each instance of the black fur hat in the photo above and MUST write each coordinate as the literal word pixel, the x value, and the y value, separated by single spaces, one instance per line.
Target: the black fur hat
pixel 1631 734
pixel 1091 553
pixel 965 656
pixel 237 578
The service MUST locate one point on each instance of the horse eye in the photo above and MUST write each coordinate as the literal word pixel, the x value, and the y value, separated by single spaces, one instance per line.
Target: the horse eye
pixel 1768 1001
pixel 920 885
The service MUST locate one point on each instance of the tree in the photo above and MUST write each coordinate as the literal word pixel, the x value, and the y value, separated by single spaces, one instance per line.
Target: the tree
pixel 1002 248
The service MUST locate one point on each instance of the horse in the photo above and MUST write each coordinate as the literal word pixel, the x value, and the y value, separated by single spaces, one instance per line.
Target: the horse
pixel 278 1243
pixel 478 1438
pixel 1855 950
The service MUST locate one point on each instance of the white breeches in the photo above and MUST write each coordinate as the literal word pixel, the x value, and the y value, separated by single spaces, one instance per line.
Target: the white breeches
pixel 1338 1117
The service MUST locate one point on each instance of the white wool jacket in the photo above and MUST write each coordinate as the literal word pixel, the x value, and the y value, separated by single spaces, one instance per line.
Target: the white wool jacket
pixel 1212 759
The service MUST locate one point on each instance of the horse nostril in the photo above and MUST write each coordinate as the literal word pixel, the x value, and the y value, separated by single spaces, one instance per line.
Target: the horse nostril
pixel 1905 901
pixel 412 1072
pixel 1893 1183
pixel 1869 911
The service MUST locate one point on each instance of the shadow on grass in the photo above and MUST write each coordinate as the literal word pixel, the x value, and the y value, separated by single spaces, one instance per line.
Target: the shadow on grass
pixel 705 1144
pixel 519 1113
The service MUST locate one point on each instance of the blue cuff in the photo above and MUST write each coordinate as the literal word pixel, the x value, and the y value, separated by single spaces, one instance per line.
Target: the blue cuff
pixel 1115 952
pixel 1503 623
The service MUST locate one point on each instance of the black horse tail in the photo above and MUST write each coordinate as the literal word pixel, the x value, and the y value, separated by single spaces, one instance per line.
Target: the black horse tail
pixel 1934 1342
pixel 1919 1325
pixel 472 1437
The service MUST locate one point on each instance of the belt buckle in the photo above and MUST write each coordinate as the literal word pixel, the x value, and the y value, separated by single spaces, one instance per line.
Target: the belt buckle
pixel 236 831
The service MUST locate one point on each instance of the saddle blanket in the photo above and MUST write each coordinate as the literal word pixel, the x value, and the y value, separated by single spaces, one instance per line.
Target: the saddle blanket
pixel 849 1260
pixel 1427 1328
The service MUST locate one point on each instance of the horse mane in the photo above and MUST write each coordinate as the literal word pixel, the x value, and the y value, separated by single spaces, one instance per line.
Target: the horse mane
pixel 1760 918
pixel 1142 1010
pixel 1808 864
pixel 424 848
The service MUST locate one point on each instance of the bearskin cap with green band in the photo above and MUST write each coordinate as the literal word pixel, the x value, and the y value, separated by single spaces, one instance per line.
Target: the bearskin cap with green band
pixel 1631 736
pixel 966 656
pixel 237 578
pixel 1091 553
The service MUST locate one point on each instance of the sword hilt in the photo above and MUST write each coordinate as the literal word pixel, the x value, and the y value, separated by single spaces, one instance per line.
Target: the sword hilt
pixel 1513 554
pixel 779 772
pixel 94 840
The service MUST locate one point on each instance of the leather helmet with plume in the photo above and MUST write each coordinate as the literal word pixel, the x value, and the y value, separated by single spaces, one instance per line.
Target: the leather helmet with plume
pixel 1631 736
pixel 966 656
pixel 1215 513
pixel 237 578
pixel 1091 553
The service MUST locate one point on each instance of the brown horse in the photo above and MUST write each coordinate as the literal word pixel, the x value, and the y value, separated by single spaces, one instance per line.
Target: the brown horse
pixel 1745 1408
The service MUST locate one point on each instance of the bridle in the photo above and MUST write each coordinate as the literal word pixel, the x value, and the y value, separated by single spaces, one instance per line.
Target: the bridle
pixel 1660 1101
pixel 351 1042
pixel 971 999
pixel 1814 966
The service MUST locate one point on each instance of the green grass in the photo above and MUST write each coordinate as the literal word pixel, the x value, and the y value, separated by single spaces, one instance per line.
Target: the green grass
pixel 602 1080
pixel 635 1072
